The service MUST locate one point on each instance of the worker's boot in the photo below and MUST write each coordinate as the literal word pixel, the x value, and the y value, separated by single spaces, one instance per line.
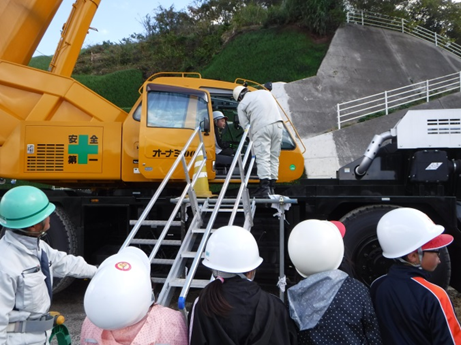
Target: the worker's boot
pixel 272 186
pixel 263 189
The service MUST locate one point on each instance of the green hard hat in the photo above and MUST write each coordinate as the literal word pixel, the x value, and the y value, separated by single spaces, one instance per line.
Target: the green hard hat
pixel 24 206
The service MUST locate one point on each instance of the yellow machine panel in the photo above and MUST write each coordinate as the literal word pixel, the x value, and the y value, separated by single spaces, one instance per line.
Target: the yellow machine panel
pixel 56 152
pixel 72 150
pixel 22 25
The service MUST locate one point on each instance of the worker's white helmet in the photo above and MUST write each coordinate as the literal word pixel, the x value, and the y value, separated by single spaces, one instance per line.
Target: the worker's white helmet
pixel 316 246
pixel 237 91
pixel 232 249
pixel 120 293
pixel 404 230
pixel 218 115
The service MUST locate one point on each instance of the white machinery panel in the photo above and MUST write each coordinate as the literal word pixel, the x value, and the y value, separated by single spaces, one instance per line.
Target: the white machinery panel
pixel 429 128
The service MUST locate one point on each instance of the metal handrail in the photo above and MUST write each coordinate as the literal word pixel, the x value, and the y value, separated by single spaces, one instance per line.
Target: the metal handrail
pixel 405 26
pixel 193 199
pixel 383 102
pixel 237 160
pixel 391 99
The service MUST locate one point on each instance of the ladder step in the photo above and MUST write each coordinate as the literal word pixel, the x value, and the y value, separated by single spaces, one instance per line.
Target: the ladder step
pixel 223 210
pixel 179 282
pixel 190 255
pixel 196 283
pixel 158 280
pixel 201 231
pixel 156 222
pixel 202 200
pixel 147 241
pixel 162 261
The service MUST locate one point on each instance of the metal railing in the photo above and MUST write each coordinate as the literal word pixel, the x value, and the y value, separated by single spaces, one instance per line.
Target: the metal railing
pixel 404 26
pixel 188 190
pixel 243 192
pixel 388 100
pixel 385 101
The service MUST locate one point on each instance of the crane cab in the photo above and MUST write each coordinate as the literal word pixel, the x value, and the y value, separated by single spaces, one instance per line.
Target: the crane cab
pixel 169 110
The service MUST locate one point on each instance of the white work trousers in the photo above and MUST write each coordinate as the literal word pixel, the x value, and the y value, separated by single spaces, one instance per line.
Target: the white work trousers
pixel 267 143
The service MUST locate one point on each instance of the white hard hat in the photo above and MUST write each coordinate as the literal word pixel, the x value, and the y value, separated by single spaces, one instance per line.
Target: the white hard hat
pixel 404 230
pixel 217 115
pixel 120 293
pixel 316 246
pixel 237 90
pixel 232 249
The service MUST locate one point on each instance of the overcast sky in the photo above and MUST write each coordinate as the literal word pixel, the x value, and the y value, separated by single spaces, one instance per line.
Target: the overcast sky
pixel 114 19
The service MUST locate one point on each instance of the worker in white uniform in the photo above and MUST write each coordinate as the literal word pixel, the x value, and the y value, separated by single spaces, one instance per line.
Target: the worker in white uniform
pixel 260 110
pixel 28 265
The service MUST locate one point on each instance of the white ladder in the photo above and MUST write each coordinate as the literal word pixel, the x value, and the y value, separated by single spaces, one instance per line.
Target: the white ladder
pixel 204 211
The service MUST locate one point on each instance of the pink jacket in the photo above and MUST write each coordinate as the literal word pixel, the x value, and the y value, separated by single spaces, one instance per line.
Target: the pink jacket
pixel 161 326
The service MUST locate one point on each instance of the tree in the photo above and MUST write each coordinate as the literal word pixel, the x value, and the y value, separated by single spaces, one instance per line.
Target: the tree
pixel 440 16
pixel 388 7
pixel 319 16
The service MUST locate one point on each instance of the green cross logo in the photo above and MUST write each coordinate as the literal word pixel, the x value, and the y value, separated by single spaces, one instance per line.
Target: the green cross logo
pixel 83 149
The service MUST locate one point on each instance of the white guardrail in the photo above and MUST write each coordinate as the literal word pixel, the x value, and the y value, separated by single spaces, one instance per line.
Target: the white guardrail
pixel 387 100
pixel 384 101
pixel 404 26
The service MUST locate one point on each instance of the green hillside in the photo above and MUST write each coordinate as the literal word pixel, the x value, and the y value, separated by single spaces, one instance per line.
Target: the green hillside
pixel 266 54
pixel 282 54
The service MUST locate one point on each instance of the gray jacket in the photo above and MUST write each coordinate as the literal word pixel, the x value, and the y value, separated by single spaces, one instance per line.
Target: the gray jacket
pixel 259 109
pixel 23 291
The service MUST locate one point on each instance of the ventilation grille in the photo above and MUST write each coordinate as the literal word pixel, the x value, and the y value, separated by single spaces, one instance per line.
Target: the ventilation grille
pixel 444 126
pixel 49 157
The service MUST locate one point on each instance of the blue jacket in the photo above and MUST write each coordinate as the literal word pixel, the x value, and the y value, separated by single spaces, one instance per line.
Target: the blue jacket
pixel 411 310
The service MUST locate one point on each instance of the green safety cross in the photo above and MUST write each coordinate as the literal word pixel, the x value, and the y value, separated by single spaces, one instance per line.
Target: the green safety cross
pixel 83 149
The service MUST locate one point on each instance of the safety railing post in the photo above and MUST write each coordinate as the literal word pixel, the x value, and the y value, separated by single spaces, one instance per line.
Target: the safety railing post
pixel 435 38
pixel 362 19
pixel 347 17
pixel 385 102
pixel 403 25
pixel 339 115
pixel 427 91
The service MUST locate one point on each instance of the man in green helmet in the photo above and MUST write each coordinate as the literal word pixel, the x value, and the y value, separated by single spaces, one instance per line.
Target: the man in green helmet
pixel 27 267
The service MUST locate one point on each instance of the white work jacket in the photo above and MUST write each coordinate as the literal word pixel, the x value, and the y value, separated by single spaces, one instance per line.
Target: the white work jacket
pixel 23 291
pixel 259 109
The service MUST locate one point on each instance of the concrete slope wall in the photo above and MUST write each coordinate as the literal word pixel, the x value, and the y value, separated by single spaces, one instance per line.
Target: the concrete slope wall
pixel 361 61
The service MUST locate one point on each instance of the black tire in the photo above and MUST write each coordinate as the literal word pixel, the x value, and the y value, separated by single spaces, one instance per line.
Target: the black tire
pixel 364 254
pixel 61 236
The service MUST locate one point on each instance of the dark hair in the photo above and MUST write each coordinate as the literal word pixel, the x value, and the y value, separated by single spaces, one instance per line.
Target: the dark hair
pixel 212 300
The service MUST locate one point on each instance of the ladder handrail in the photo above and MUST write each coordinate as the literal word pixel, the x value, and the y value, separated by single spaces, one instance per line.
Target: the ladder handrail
pixel 243 191
pixel 153 200
pixel 193 268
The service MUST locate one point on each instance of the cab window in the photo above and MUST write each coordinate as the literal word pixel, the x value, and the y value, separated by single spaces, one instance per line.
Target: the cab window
pixel 175 110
